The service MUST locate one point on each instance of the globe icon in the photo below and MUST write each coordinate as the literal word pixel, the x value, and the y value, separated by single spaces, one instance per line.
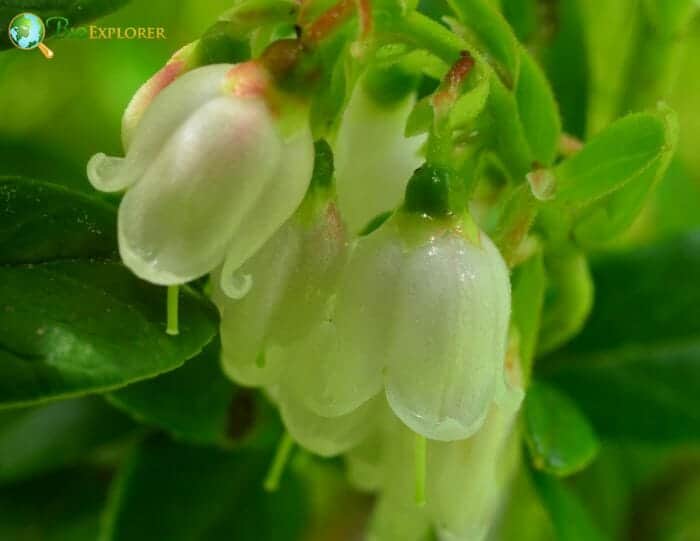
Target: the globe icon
pixel 27 31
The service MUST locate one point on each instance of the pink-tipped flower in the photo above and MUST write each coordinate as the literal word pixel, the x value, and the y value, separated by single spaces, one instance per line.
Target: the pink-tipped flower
pixel 211 171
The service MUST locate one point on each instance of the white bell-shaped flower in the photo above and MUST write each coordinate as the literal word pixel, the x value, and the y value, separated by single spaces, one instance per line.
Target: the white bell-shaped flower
pixel 447 343
pixel 374 160
pixel 294 275
pixel 206 163
pixel 422 310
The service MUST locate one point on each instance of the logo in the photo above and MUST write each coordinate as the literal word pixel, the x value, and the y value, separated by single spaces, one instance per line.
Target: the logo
pixel 27 32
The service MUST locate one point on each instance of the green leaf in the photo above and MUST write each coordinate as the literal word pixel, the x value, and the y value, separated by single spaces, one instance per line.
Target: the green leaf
pixel 76 11
pixel 559 437
pixel 538 110
pixel 64 506
pixel 635 368
pixel 528 297
pixel 470 104
pixel 610 30
pixel 179 493
pixel 510 140
pixel 570 518
pixel 492 32
pixel 568 298
pixel 619 155
pixel 522 17
pixel 43 222
pixel 37 440
pixel 566 63
pixel 618 211
pixel 67 315
pixel 194 403
pixel 65 327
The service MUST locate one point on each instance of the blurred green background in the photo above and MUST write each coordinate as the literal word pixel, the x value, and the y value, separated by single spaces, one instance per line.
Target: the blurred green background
pixel 56 114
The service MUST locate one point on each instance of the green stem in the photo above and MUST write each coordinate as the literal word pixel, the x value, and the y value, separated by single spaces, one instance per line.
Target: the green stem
pixel 172 308
pixel 421 31
pixel 272 480
pixel 420 456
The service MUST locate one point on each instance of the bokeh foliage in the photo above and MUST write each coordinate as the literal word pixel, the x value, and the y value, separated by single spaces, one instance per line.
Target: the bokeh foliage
pixel 612 424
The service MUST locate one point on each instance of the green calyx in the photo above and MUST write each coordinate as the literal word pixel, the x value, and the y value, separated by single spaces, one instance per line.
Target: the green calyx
pixel 428 192
pixel 322 176
pixel 390 84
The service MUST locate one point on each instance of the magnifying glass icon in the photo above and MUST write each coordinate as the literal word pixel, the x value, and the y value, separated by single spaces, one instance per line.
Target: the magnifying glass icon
pixel 27 32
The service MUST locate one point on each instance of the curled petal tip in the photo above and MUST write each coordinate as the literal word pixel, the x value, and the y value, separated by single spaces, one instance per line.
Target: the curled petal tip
pixel 236 285
pixel 105 173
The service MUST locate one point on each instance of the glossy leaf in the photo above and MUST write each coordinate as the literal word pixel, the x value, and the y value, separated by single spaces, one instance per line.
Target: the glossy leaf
pixel 68 314
pixel 559 437
pixel 180 493
pixel 617 156
pixel 194 403
pixel 43 222
pixel 65 325
pixel 635 368
pixel 36 440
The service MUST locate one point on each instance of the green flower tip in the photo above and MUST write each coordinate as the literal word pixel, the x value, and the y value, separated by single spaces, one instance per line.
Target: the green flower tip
pixel 428 192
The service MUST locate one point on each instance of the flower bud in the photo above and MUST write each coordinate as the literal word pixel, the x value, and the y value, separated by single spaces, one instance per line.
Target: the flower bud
pixel 374 160
pixel 207 164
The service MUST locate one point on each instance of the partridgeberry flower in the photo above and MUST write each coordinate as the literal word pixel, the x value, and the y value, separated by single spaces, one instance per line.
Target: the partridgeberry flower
pixel 294 274
pixel 422 313
pixel 211 171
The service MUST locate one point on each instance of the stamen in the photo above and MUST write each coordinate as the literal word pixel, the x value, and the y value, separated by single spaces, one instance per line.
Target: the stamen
pixel 420 458
pixel 272 480
pixel 172 327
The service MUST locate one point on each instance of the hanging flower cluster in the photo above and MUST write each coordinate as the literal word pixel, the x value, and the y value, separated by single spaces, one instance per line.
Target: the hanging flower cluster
pixel 353 285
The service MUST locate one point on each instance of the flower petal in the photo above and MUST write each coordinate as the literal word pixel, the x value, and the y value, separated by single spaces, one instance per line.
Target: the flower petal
pixel 176 223
pixel 448 344
pixel 280 197
pixel 172 107
pixel 475 470
pixel 325 436
pixel 246 323
pixel 373 159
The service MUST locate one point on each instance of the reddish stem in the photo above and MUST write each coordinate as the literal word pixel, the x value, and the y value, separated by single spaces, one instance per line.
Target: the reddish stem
pixel 333 17
pixel 458 73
